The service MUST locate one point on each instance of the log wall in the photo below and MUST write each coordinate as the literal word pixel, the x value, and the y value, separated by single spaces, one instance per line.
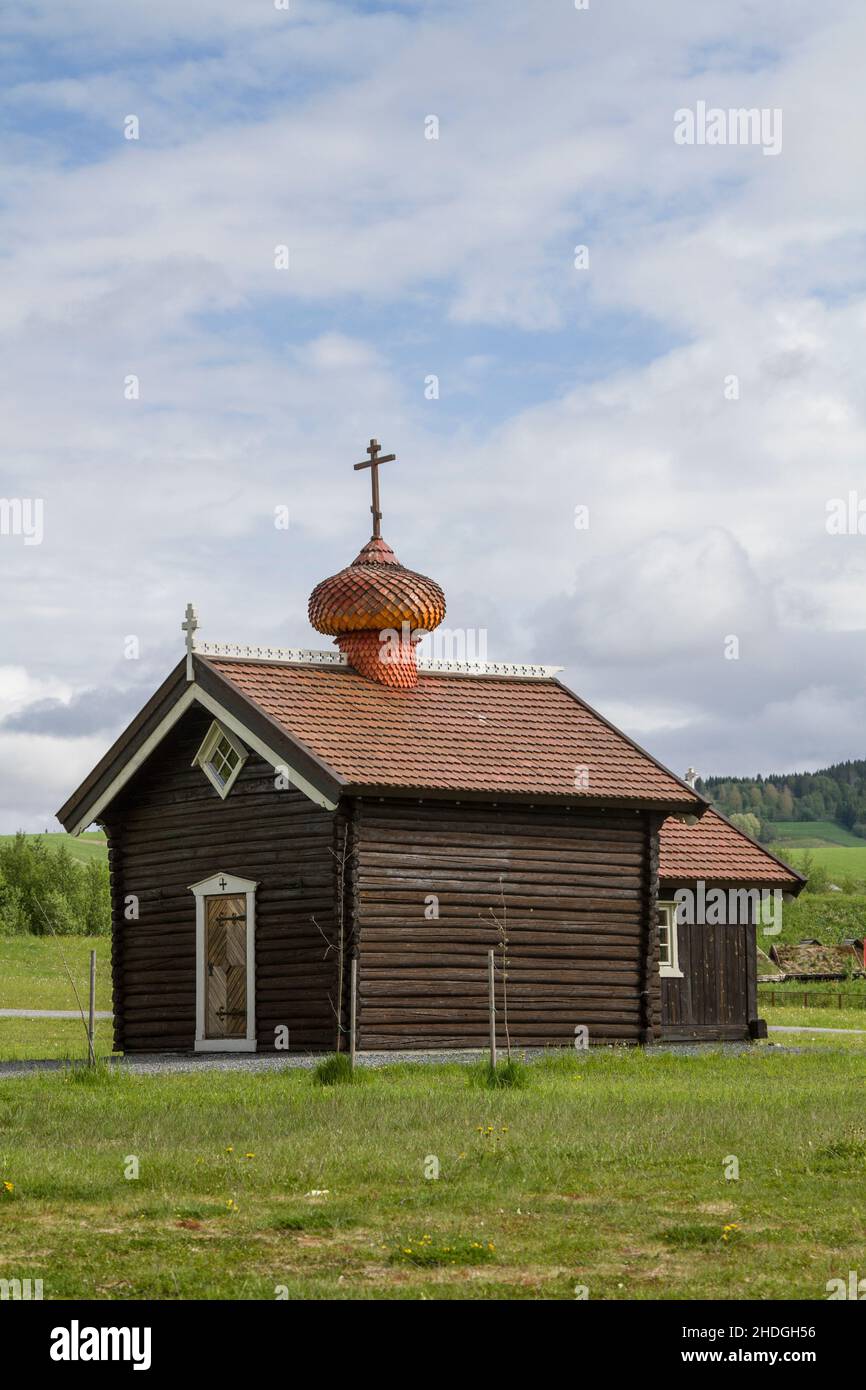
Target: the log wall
pixel 167 829
pixel 573 888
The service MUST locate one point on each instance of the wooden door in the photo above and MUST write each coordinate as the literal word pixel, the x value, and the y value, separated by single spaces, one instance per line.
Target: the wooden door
pixel 226 966
pixel 712 999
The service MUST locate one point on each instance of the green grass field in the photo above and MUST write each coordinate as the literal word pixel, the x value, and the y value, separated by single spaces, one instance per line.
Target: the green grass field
pixel 803 834
pixel 606 1171
pixel 32 973
pixel 32 976
pixel 839 862
pixel 91 845
pixel 827 845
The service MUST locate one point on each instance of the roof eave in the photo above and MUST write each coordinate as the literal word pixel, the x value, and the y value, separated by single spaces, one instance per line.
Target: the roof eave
pixel 314 767
pixel 495 796
pixel 794 887
pixel 95 792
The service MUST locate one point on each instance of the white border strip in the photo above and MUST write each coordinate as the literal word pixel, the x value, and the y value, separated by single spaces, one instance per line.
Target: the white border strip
pixel 209 888
pixel 194 694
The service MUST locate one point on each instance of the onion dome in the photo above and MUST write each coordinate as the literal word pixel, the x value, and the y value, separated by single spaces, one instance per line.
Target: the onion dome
pixel 376 592
pixel 377 610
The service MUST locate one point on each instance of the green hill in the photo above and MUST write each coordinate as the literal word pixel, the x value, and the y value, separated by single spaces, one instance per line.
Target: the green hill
pixel 808 834
pixel 91 845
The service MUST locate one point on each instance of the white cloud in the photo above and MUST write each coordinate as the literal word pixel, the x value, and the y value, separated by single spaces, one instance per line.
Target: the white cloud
pixel 261 387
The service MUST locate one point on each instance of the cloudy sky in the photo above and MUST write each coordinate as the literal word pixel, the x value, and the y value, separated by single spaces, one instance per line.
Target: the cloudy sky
pixel 694 379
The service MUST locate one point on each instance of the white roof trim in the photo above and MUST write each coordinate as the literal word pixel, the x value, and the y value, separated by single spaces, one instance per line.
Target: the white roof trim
pixel 300 656
pixel 293 656
pixel 490 668
pixel 194 694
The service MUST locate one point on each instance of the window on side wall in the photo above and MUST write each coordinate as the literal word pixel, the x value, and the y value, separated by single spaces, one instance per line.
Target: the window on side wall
pixel 669 964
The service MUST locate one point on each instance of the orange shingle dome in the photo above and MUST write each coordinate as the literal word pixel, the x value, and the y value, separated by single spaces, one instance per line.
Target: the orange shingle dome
pixel 376 610
pixel 374 593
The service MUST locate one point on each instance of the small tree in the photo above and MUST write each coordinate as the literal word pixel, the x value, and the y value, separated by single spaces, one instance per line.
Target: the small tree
pixel 501 921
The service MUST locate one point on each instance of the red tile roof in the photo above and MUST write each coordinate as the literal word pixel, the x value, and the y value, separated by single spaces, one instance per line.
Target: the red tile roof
pixel 454 733
pixel 716 851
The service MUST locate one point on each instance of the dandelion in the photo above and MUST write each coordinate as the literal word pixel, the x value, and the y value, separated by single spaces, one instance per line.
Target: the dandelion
pixel 8 1187
pixel 249 1155
pixel 230 1149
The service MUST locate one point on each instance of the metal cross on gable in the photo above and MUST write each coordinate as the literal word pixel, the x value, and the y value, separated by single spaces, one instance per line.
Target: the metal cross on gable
pixel 373 464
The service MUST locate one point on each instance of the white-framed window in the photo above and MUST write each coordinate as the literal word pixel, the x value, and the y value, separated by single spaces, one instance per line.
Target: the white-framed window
pixel 220 757
pixel 669 964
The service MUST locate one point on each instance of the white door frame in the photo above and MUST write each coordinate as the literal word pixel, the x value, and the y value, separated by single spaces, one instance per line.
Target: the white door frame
pixel 218 886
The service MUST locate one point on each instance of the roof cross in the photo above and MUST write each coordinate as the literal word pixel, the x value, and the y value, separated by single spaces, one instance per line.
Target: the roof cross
pixel 373 464
pixel 189 628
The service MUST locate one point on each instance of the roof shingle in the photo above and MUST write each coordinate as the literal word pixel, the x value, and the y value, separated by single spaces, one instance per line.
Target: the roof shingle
pixel 716 851
pixel 454 733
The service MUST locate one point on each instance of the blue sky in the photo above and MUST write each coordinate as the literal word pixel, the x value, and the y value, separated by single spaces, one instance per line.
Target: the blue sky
pixel 559 386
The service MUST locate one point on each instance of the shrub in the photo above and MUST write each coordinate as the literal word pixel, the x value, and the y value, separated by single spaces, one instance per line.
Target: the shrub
pixel 42 884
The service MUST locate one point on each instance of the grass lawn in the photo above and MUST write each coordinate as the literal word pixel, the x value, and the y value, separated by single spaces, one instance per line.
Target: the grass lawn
pixel 32 975
pixel 91 845
pixel 794 1017
pixel 606 1171
pixel 58 1038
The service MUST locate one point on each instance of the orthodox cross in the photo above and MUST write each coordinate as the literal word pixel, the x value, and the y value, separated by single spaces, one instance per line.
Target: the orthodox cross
pixel 373 464
pixel 189 628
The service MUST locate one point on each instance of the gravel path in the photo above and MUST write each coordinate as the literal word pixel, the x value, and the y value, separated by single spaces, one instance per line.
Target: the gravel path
pixel 50 1013
pixel 158 1063
pixel 807 1028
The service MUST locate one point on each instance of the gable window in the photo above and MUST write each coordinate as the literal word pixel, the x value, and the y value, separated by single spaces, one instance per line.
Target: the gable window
pixel 220 757
pixel 669 964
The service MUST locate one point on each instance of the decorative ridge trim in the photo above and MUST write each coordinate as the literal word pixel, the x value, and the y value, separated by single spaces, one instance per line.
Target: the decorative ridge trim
pixel 300 656
pixel 489 668
pixel 296 656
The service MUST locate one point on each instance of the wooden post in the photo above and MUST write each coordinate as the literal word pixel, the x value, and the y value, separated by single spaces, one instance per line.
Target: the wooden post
pixel 91 1023
pixel 353 1009
pixel 491 989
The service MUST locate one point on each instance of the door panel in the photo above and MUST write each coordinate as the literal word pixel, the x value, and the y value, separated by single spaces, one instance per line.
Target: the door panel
pixel 226 967
pixel 712 996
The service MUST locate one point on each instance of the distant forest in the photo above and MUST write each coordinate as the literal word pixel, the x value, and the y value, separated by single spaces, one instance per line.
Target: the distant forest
pixel 835 793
